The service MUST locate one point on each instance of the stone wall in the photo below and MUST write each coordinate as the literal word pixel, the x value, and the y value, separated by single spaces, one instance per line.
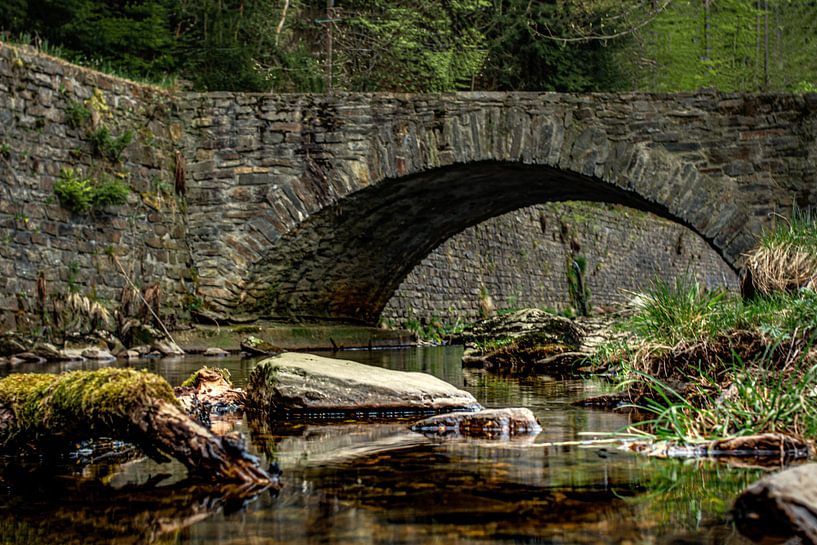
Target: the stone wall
pixel 48 112
pixel 519 260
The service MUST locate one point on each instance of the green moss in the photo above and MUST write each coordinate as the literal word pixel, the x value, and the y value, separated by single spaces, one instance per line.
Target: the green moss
pixel 193 380
pixel 50 404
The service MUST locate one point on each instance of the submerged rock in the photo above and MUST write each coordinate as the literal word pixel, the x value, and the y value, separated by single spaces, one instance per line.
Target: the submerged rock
pixel 490 423
pixel 525 341
pixel 780 506
pixel 304 384
pixel 214 352
pixel 765 446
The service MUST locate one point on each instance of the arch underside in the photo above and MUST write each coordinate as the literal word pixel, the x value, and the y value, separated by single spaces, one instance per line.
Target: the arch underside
pixel 345 262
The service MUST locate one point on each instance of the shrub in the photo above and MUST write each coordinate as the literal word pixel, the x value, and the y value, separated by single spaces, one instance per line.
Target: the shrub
pixel 73 192
pixel 85 195
pixel 109 192
pixel 76 114
pixel 107 146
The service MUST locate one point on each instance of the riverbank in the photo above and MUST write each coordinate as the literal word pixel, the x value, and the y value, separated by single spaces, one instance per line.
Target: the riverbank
pixel 712 365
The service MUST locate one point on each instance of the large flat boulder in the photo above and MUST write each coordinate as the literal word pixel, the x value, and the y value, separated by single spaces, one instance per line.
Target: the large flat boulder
pixel 304 384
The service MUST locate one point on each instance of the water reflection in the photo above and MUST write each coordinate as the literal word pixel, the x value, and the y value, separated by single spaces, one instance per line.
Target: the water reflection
pixel 380 483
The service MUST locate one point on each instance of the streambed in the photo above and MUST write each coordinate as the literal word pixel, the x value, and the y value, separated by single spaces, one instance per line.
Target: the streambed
pixel 375 482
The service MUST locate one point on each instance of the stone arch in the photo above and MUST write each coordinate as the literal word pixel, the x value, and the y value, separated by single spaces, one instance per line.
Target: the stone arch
pixel 306 183
pixel 345 261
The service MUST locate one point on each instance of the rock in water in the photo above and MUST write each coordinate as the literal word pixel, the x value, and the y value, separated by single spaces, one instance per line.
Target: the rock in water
pixel 259 347
pixel 301 384
pixel 490 423
pixel 525 341
pixel 780 506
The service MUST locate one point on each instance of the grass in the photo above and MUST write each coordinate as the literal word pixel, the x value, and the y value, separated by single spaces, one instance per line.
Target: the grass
pixel 710 365
pixel 164 80
pixel 435 331
pixel 745 400
pixel 786 257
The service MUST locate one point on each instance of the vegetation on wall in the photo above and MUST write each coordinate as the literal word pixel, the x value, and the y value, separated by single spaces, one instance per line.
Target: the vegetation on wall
pixel 86 195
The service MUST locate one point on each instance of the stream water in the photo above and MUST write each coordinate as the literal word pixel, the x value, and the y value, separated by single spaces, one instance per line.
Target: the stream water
pixel 378 483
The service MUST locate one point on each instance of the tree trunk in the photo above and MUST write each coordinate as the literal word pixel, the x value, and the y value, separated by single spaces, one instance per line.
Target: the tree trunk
pixel 40 411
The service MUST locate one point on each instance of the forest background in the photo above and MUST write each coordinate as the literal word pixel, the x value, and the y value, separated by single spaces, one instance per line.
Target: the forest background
pixel 432 46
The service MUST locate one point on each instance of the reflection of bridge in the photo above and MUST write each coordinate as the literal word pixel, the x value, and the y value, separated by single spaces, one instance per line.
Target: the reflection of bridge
pixel 328 202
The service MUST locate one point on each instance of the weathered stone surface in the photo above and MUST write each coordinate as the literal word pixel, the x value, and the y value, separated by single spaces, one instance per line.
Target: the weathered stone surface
pixel 259 347
pixel 304 384
pixel 780 506
pixel 520 341
pixel 166 347
pixel 214 352
pixel 95 353
pixel 520 260
pixel 11 344
pixel 490 423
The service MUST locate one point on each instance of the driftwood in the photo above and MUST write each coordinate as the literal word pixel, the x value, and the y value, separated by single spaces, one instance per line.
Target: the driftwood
pixel 39 411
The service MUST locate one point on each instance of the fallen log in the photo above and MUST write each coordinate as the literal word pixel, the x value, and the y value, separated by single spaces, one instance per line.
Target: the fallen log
pixel 42 410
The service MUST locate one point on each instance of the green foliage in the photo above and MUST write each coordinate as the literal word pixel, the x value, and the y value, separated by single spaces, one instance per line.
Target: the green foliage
pixel 73 191
pixel 420 46
pixel 521 58
pixel 435 331
pixel 132 37
pixel 725 45
pixel 85 195
pixel 107 146
pixel 77 114
pixel 577 285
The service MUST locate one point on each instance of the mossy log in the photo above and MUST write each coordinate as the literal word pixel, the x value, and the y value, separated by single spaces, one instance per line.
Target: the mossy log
pixel 41 410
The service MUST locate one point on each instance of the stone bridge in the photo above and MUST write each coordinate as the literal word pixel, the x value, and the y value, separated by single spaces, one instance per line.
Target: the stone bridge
pixel 316 206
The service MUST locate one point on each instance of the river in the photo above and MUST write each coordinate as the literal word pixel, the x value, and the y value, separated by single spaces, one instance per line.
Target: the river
pixel 378 483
